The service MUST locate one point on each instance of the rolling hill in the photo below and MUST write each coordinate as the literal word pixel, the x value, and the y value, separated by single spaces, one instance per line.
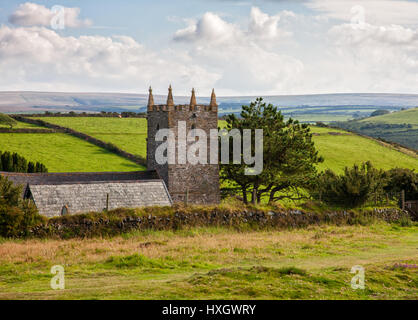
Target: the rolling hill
pixel 339 148
pixel 409 116
pixel 307 108
pixel 399 127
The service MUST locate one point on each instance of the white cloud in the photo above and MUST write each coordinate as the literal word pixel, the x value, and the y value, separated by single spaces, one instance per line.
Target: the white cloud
pixel 32 14
pixel 40 59
pixel 257 58
pixel 213 29
pixel 376 58
pixel 380 12
pixel 246 58
pixel 210 28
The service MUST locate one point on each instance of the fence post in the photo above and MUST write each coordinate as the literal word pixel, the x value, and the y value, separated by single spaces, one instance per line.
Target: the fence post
pixel 107 202
pixel 403 199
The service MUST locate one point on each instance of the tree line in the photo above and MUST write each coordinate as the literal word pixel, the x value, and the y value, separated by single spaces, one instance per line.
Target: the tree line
pixel 13 162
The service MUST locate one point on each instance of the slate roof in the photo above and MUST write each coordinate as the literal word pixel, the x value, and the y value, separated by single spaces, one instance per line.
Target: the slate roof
pixel 70 177
pixel 86 192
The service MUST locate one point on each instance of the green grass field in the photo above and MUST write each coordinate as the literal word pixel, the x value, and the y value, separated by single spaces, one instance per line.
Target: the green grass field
pixel 218 263
pixel 22 125
pixel 63 153
pixel 339 150
pixel 400 127
pixel 345 150
pixel 409 116
pixel 129 134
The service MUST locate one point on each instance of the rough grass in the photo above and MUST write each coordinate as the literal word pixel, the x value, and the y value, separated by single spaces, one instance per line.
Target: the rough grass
pixel 218 263
pixel 339 150
pixel 63 153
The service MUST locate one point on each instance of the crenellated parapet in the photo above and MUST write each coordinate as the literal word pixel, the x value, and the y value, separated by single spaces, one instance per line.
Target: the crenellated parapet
pixel 192 106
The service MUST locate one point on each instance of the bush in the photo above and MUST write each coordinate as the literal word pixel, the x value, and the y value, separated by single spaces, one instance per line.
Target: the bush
pixel 16 221
pixel 379 113
pixel 352 189
pixel 17 216
pixel 402 179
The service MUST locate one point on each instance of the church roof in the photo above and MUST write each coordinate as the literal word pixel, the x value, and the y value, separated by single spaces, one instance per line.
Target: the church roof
pixel 77 177
pixel 87 192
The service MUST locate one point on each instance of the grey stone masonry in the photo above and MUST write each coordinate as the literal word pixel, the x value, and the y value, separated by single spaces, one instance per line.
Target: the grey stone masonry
pixel 199 183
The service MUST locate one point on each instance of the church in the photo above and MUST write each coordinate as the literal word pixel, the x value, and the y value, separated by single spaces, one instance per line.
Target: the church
pixel 56 194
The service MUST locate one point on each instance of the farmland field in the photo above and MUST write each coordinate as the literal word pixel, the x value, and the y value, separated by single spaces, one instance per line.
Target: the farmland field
pixel 400 127
pixel 129 134
pixel 218 263
pixel 63 153
pixel 22 125
pixel 409 116
pixel 339 149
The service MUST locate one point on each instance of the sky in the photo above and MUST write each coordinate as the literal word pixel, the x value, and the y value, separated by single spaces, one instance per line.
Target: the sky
pixel 238 47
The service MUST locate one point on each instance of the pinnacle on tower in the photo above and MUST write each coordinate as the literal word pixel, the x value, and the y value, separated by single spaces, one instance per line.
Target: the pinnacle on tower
pixel 150 98
pixel 193 99
pixel 213 103
pixel 170 100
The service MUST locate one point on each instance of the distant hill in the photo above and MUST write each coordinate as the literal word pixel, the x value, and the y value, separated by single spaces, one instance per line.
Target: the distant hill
pixel 306 108
pixel 399 127
pixel 404 116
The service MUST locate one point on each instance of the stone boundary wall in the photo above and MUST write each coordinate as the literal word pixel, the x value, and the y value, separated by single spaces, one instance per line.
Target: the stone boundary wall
pixel 105 145
pixel 124 220
pixel 27 130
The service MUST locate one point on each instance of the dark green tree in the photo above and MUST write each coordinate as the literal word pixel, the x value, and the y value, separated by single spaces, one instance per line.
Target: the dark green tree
pixel 399 179
pixel 353 188
pixel 289 154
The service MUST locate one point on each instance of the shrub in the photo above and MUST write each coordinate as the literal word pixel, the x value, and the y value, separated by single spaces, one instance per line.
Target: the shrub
pixel 17 216
pixel 379 113
pixel 17 221
pixel 352 189
pixel 9 194
pixel 402 179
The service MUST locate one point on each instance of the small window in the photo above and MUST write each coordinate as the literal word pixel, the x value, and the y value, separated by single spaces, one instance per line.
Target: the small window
pixel 158 126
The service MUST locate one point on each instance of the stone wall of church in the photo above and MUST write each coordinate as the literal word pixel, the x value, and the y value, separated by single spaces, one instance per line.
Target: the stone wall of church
pixel 198 183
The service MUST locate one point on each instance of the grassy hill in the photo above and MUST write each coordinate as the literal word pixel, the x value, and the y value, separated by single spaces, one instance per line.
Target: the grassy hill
pixel 60 152
pixel 409 116
pixel 400 127
pixel 338 147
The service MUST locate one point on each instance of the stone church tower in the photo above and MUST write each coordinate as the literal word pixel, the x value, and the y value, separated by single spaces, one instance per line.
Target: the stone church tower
pixel 191 183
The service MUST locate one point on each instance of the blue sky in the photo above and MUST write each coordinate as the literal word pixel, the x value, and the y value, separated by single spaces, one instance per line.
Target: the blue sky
pixel 238 47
